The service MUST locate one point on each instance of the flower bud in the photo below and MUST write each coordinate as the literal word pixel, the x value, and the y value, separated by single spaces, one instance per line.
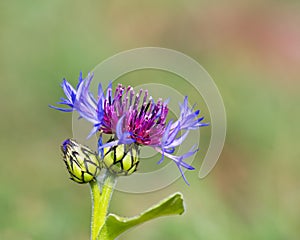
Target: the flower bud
pixel 121 160
pixel 81 162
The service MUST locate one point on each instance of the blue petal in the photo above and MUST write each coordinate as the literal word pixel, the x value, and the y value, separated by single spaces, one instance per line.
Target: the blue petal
pixel 100 150
pixel 94 130
pixel 124 137
pixel 109 144
pixel 61 109
pixel 179 140
pixel 182 175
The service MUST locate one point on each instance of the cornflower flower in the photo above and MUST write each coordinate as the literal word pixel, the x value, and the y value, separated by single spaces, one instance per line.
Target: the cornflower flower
pixel 133 120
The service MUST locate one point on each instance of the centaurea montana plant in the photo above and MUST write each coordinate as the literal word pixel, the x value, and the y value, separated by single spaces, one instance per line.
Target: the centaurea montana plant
pixel 131 120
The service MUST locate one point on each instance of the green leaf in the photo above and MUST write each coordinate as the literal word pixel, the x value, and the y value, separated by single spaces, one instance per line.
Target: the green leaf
pixel 116 225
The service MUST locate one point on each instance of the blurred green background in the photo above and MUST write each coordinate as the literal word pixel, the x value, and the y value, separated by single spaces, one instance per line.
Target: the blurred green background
pixel 250 48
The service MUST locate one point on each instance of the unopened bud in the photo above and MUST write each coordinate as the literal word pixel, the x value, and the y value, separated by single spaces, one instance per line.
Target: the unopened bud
pixel 121 160
pixel 82 163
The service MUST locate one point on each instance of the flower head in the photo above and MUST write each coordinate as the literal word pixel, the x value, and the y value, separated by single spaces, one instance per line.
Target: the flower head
pixel 134 119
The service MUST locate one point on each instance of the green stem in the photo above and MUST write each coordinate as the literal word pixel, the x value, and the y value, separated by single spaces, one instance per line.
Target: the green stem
pixel 100 203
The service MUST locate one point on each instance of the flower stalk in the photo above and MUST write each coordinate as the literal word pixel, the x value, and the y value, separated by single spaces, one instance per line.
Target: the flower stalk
pixel 101 196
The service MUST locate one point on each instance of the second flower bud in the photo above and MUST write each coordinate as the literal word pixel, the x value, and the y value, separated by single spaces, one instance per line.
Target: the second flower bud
pixel 121 160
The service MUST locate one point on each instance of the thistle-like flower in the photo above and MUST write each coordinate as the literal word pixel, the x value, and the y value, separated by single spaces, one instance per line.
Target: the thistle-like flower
pixel 82 163
pixel 134 120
